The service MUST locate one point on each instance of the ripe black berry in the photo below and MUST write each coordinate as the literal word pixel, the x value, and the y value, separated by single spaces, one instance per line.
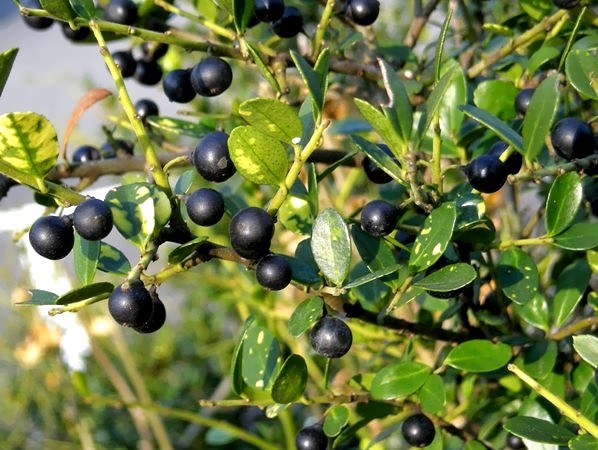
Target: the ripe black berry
pixel 177 86
pixel 311 438
pixel 250 232
pixel 211 76
pixel 522 100
pixel 513 162
pixel 37 23
pixel 145 108
pixel 205 207
pixel 378 218
pixel 373 171
pixel 75 35
pixel 157 318
pixel 418 430
pixel 268 10
pixel 331 337
pixel 92 219
pixel 273 272
pixel 52 237
pixel 211 157
pixel 363 12
pixel 148 73
pixel 290 23
pixel 572 138
pixel 121 11
pixel 130 304
pixel 486 173
pixel 565 4
pixel 116 149
pixel 153 51
pixel 514 442
pixel 86 153
pixel 125 62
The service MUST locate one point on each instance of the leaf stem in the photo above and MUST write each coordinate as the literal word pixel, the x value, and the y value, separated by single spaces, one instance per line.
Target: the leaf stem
pixel 395 299
pixel 574 328
pixel 542 240
pixel 321 28
pixel 76 306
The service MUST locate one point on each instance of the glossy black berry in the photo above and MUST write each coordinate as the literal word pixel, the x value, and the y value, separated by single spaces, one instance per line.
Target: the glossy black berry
pixel 86 153
pixel 177 86
pixel 331 337
pixel 418 430
pixel 373 171
pixel 92 219
pixel 211 157
pixel 250 232
pixel 157 318
pixel 130 304
pixel 205 207
pixel 125 62
pixel 515 442
pixel 486 173
pixel 378 218
pixel 121 11
pixel 273 272
pixel 5 184
pixel 290 23
pixel 311 438
pixel 363 12
pixel 148 73
pixel 211 76
pixel 522 100
pixel 268 10
pixel 52 237
pixel 513 162
pixel 153 51
pixel 145 108
pixel 116 148
pixel 572 138
pixel 37 23
pixel 75 35
pixel 566 4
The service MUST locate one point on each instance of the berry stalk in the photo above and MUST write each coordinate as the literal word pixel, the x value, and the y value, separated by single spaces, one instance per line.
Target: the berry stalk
pixel 321 28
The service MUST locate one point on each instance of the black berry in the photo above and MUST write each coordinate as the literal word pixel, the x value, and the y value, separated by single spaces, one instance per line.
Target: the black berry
pixel 211 157
pixel 177 86
pixel 153 51
pixel 92 219
pixel 121 11
pixel 250 232
pixel 148 73
pixel 311 438
pixel 116 148
pixel 205 207
pixel 566 4
pixel 211 76
pixel 86 153
pixel 418 430
pixel 513 162
pixel 273 272
pixel 378 218
pixel 75 35
pixel 331 337
pixel 363 12
pixel 157 318
pixel 52 237
pixel 145 108
pixel 37 23
pixel 515 442
pixel 5 184
pixel 130 304
pixel 522 101
pixel 572 138
pixel 268 10
pixel 486 173
pixel 290 23
pixel 125 62
pixel 373 171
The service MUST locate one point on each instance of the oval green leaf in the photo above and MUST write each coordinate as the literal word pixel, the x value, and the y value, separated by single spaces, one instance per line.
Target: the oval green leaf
pixel 7 58
pixel 39 297
pixel 311 79
pixel 86 254
pixel 534 312
pixel 399 380
pixel 570 286
pixel 179 127
pixel 580 68
pixel 479 355
pixel 112 260
pixel 307 313
pixel 539 359
pixel 182 252
pixel 583 442
pixel 432 395
pixel 449 278
pixel 502 130
pixel 100 290
pixel 563 202
pixel 579 236
pixel 336 419
pixel 517 275
pixel 331 246
pixel 538 430
pixel 586 346
pixel 290 381
pixel 261 357
pixel 59 8
pixel 497 97
pixel 273 118
pixel 381 124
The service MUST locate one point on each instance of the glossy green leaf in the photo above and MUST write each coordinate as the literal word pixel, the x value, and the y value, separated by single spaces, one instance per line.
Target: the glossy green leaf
pixel 580 67
pixel 331 246
pixel 432 395
pixel 541 56
pixel 517 275
pixel 306 314
pixel 183 251
pixel 399 380
pixel 501 129
pixel 583 442
pixel 59 8
pixel 39 297
pixel 321 69
pixel 438 53
pixel 273 118
pixel 375 253
pixel 562 204
pixel 311 79
pixel 259 158
pixel 335 420
pixel 479 355
pixel 179 127
pixel 570 286
pixel 185 182
pixel 86 254
pixel 7 59
pixel 535 312
pixel 451 117
pixel 263 68
pixel 380 157
pixel 236 367
pixel 398 111
pixel 433 238
pixel 373 276
pixel 448 278
pixel 496 97
pixel 261 357
pixel 539 359
pixel 100 290
pixel 538 430
pixel 84 8
pixel 539 116
pixel 586 345
pixel 295 215
pixel 242 12
pixel 112 260
pixel 290 381
pixel 381 124
pixel 579 236
pixel 303 271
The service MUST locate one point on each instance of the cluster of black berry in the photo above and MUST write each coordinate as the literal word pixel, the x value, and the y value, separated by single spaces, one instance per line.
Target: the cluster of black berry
pixel 286 21
pixel 146 69
pixel 132 305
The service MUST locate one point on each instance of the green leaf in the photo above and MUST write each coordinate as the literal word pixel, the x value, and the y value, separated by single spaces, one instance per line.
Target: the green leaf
pixel 398 111
pixel 263 68
pixel 563 202
pixel 380 157
pixel 382 124
pixel 242 12
pixel 236 376
pixel 303 271
pixel 179 127
pixel 586 346
pixel 479 355
pixel 28 143
pixel 534 312
pixel 86 255
pixel 536 9
pixel 541 56
pixel 583 442
pixel 579 236
pixel 261 357
pixel 399 380
pixel 290 381
pixel 335 420
pixel 112 260
pixel 449 278
pixel 538 430
pixel 373 276
pixel 501 129
pixel 570 286
pixel 539 116
pixel 539 359
pixel 312 80
pixel 331 246
pixel 451 117
pixel 84 8
pixel 517 275
pixel 433 238
pixel 580 67
pixel 59 8
pixel 306 314
pixel 102 289
pixel 259 158
pixel 496 97
pixel 183 251
pixel 39 297
pixel 273 118
pixel 432 395
pixel 440 44
pixel 7 58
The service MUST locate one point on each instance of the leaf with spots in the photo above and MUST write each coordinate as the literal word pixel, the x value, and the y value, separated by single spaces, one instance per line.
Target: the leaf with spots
pixel 261 357
pixel 273 118
pixel 517 275
pixel 449 278
pixel 433 238
pixel 331 246
pixel 259 158
pixel 290 381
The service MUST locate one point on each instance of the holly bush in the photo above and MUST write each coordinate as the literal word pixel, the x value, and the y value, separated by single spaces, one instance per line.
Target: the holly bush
pixel 382 217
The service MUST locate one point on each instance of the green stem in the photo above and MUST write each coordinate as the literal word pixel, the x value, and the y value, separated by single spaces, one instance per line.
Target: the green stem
pixel 542 240
pixel 404 286
pixel 327 373
pixel 572 37
pixel 146 258
pixel 321 29
pixel 574 328
pixel 76 306
pixel 436 153
pixel 288 427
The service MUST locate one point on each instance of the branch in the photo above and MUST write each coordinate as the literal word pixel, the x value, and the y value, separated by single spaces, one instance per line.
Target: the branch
pixel 422 15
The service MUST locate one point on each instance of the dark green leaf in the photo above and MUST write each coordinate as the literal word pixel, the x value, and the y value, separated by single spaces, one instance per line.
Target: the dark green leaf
pixel 380 157
pixel 307 313
pixel 448 278
pixel 236 376
pixel 312 189
pixel 440 44
pixel 534 312
pixel 373 276
pixel 7 58
pixel 263 68
pixel 563 202
pixel 382 124
pixel 399 380
pixel 501 129
pixel 261 357
pixel 100 290
pixel 398 111
pixel 541 56
pixel 303 271
pixel 290 381
pixel 583 442
pixel 570 286
pixel 375 253
pixel 86 255
pixel 185 181
pixel 579 236
pixel 517 275
pixel 182 252
pixel 59 8
pixel 496 97
pixel 84 8
pixel 451 117
pixel 331 246
pixel 474 445
pixel 242 12
pixel 112 260
pixel 538 430
pixel 539 359
pixel 321 68
pixel 273 118
pixel 479 355
pixel 432 395
pixel 179 126
pixel 311 79
pixel 586 346
pixel 580 68
pixel 335 420
pixel 39 297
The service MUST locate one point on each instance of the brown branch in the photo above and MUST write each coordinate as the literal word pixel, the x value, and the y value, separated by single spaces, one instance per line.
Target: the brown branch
pixel 422 15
